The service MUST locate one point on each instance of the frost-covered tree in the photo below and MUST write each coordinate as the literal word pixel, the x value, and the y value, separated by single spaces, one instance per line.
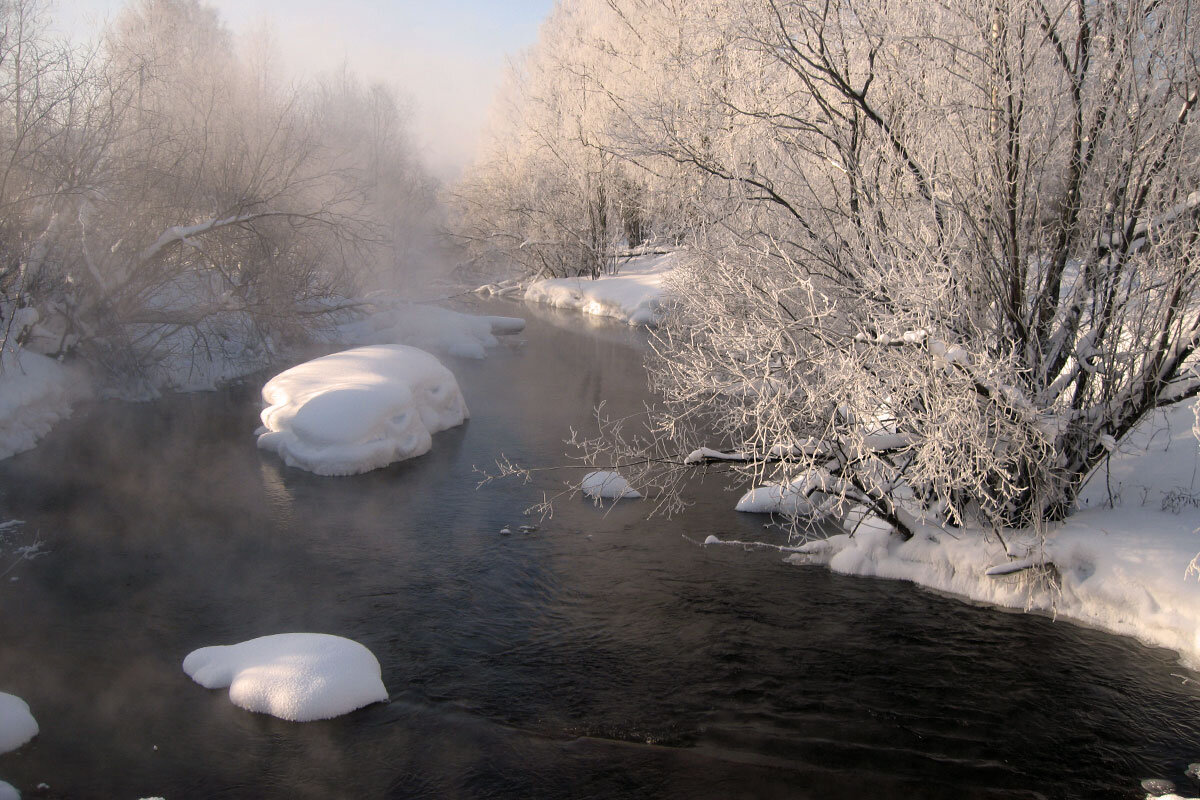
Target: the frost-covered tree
pixel 549 193
pixel 942 256
pixel 173 201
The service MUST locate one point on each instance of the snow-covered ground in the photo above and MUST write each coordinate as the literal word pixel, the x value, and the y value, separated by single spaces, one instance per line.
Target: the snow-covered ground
pixel 35 393
pixel 359 409
pixel 634 295
pixel 299 677
pixel 1126 568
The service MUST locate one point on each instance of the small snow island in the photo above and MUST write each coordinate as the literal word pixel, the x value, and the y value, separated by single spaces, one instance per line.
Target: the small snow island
pixel 359 410
pixel 299 677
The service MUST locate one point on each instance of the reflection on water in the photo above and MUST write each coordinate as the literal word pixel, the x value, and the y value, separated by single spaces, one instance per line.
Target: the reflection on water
pixel 601 656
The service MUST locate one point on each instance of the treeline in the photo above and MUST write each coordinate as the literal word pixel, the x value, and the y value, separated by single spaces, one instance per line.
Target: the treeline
pixel 938 258
pixel 168 197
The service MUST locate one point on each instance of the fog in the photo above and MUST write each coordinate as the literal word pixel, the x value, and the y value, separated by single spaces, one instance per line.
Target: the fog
pixel 445 59
pixel 203 184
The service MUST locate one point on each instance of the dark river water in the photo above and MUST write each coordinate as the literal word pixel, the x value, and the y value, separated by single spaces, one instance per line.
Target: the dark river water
pixel 602 656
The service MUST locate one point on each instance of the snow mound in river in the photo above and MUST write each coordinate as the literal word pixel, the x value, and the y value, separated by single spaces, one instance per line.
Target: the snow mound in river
pixel 17 725
pixel 794 499
pixel 359 410
pixel 299 677
pixel 607 486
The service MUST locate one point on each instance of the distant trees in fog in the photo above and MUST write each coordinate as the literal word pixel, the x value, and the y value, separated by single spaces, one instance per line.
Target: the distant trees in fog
pixel 168 195
pixel 941 256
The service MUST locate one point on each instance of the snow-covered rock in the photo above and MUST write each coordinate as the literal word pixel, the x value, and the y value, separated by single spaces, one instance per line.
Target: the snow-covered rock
pixel 8 792
pixel 605 485
pixel 1158 787
pixel 359 410
pixel 35 393
pixel 294 676
pixel 792 499
pixel 774 498
pixel 17 725
pixel 634 295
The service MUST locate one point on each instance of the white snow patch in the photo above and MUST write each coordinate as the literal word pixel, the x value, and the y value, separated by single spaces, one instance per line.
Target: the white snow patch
pixel 607 486
pixel 299 677
pixel 708 454
pixel 505 288
pixel 786 499
pixel 438 330
pixel 634 295
pixel 8 792
pixel 17 725
pixel 35 393
pixel 1122 569
pixel 359 410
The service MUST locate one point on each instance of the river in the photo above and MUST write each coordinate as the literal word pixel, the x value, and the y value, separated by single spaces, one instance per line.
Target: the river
pixel 602 656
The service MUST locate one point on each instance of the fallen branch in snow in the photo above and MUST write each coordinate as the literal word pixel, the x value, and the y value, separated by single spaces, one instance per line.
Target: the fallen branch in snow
pixel 1019 565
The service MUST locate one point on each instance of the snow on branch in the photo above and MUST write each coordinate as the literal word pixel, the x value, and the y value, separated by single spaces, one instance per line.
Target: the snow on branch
pixel 181 233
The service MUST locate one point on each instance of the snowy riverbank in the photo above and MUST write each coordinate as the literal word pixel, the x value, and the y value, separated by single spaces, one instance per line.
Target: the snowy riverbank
pixel 35 393
pixel 634 295
pixel 1126 568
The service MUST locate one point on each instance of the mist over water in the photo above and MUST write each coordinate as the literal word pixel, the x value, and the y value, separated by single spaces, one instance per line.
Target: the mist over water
pixel 603 655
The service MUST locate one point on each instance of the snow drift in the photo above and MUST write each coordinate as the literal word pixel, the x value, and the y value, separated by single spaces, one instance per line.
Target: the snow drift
pixel 299 677
pixel 359 410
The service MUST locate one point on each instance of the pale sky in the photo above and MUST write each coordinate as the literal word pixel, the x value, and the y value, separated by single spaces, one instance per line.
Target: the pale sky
pixel 447 56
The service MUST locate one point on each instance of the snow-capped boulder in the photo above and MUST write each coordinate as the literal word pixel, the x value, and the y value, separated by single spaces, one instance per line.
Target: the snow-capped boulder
pixel 773 498
pixel 17 725
pixel 294 676
pixel 792 499
pixel 605 485
pixel 8 792
pixel 359 410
